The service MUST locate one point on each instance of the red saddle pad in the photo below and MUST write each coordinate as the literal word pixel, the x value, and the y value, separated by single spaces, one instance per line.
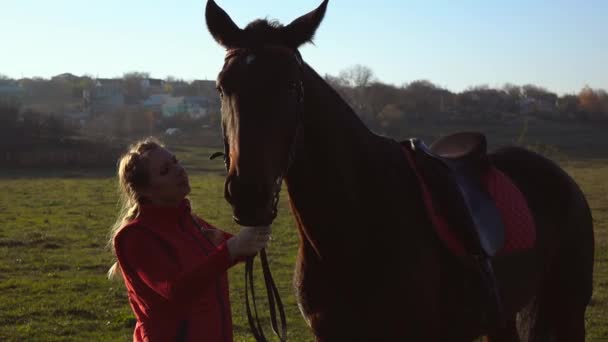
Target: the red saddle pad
pixel 520 231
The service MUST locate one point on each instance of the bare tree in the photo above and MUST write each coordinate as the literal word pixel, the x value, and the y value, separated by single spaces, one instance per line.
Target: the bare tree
pixel 133 85
pixel 357 76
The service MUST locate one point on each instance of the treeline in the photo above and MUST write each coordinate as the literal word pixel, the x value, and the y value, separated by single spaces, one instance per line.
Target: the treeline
pixel 17 125
pixel 390 109
pixel 64 93
pixel 42 109
pixel 50 109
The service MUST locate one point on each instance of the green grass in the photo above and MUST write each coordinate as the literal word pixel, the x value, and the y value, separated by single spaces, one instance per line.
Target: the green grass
pixel 592 175
pixel 53 232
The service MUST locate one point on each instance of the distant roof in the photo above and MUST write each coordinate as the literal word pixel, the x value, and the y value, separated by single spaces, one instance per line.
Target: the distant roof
pixel 65 76
pixel 108 81
pixel 156 82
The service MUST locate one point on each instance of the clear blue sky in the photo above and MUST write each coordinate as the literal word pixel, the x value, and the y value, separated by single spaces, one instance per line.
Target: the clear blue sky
pixel 561 45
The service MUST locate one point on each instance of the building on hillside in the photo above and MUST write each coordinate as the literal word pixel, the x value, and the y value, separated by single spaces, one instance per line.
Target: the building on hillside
pixel 155 102
pixel 197 107
pixel 153 86
pixel 173 106
pixel 532 105
pixel 11 90
pixel 106 95
pixel 65 77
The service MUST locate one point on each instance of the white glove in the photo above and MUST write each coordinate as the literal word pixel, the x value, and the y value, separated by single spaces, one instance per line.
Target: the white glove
pixel 249 241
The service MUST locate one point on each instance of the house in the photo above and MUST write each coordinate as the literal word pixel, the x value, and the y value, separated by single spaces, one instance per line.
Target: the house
pixel 65 77
pixel 155 102
pixel 173 106
pixel 153 86
pixel 10 89
pixel 197 107
pixel 106 95
pixel 532 105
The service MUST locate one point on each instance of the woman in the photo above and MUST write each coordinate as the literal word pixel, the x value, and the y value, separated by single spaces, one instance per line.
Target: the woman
pixel 173 263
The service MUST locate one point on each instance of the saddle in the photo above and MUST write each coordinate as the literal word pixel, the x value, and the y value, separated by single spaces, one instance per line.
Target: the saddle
pixel 452 168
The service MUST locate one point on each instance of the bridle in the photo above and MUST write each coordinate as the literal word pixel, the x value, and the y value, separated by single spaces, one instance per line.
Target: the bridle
pixel 274 300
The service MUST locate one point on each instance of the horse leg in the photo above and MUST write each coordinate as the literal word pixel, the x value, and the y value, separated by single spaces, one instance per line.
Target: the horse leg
pixel 563 299
pixel 507 333
pixel 568 288
pixel 558 319
pixel 570 324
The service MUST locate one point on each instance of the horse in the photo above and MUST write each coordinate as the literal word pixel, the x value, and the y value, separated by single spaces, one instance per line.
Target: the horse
pixel 370 266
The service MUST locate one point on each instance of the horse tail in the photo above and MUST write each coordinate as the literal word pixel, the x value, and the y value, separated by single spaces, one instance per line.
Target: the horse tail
pixel 557 312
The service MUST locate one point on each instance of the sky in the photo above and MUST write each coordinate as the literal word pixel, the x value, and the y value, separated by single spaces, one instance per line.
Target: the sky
pixel 561 45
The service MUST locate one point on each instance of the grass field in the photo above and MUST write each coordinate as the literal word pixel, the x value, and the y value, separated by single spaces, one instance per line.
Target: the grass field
pixel 53 232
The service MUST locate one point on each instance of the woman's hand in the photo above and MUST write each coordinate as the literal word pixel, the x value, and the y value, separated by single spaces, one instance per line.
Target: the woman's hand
pixel 249 241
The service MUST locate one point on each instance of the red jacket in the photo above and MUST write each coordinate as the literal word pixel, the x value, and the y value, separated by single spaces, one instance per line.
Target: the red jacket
pixel 175 277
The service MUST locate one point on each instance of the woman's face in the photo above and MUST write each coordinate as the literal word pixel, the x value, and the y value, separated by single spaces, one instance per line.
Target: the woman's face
pixel 169 183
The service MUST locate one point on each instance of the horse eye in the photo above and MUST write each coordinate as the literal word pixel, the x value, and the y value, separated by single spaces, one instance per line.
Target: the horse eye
pixel 220 91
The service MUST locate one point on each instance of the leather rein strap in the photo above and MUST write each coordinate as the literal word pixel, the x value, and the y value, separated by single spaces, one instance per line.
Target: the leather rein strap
pixel 274 300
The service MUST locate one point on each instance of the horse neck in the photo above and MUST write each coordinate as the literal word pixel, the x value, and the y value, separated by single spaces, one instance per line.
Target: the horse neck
pixel 335 155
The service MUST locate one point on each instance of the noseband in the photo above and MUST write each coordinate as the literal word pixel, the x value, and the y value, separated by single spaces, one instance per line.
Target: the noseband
pixel 274 300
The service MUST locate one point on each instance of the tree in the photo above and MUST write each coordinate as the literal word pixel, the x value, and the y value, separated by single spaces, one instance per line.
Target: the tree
pixel 357 76
pixel 391 119
pixel 134 91
pixel 341 86
pixel 9 115
pixel 32 124
pixel 513 91
pixel 54 128
pixel 422 97
pixel 568 106
pixel 594 103
pixel 530 91
pixel 356 79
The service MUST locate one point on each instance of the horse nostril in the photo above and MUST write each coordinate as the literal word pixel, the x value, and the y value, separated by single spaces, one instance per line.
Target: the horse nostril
pixel 229 187
pixel 251 194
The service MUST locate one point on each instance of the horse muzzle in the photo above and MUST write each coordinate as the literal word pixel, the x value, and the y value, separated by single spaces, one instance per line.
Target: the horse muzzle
pixel 252 203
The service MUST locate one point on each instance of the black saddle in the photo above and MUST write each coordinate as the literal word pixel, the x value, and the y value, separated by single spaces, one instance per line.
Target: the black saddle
pixel 452 167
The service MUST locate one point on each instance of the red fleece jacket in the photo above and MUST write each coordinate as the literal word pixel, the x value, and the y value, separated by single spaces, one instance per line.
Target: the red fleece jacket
pixel 175 276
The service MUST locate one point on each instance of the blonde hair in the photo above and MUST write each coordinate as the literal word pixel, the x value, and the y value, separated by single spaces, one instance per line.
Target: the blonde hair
pixel 132 177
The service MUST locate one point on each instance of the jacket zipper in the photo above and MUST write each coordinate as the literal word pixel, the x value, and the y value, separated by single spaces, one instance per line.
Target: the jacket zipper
pixel 218 293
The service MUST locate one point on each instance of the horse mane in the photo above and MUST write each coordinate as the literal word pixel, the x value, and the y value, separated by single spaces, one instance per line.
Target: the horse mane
pixel 263 25
pixel 329 99
pixel 262 32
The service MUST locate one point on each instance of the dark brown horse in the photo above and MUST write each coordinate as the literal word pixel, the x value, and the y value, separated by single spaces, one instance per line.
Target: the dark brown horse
pixel 370 267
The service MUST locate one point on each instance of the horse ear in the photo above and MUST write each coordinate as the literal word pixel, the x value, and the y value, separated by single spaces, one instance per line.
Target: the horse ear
pixel 221 27
pixel 303 29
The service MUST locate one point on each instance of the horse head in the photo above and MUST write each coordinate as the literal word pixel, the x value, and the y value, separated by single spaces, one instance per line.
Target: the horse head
pixel 261 91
